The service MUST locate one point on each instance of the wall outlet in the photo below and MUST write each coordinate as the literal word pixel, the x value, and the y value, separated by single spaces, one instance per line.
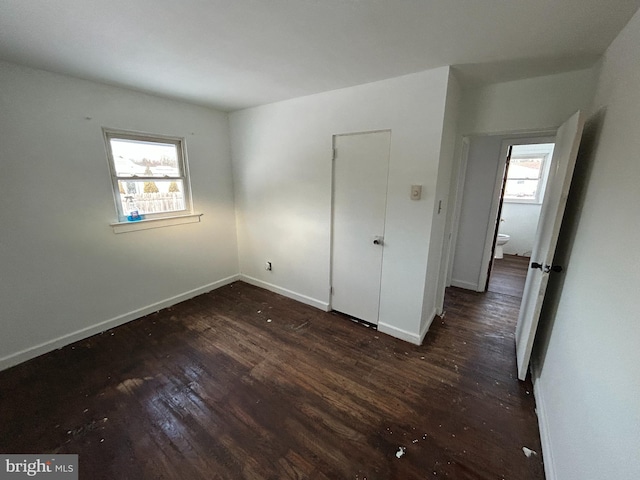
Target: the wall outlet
pixel 267 266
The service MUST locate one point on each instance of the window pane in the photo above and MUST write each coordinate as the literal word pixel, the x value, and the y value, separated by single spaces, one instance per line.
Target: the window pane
pixel 149 159
pixel 525 168
pixel 156 196
pixel 521 189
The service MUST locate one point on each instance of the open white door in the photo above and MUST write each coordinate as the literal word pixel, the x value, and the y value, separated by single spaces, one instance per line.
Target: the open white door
pixel 544 246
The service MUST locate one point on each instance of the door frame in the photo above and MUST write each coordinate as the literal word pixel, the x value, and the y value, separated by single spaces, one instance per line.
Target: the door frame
pixel 457 182
pixel 546 136
pixel 333 207
pixel 496 229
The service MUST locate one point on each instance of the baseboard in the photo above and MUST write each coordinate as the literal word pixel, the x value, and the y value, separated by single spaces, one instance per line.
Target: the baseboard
pixel 324 306
pixel 543 425
pixel 48 346
pixel 402 334
pixel 465 285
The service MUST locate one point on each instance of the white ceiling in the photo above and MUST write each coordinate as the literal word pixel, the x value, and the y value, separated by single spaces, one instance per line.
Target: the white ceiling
pixel 238 53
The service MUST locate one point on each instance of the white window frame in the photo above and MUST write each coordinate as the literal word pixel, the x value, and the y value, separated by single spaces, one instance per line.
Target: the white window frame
pixel 179 142
pixel 542 180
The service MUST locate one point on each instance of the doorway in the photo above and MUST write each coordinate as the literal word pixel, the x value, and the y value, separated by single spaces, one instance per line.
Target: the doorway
pixel 522 188
pixel 479 198
pixel 567 141
pixel 360 178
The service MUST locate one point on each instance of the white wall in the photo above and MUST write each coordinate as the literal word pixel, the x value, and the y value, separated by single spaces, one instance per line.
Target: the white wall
pixel 282 170
pixel 589 383
pixel 480 178
pixel 525 105
pixel 65 274
pixel 488 115
pixel 520 221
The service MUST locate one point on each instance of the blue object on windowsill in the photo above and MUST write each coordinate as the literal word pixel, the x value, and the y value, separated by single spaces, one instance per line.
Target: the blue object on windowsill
pixel 135 216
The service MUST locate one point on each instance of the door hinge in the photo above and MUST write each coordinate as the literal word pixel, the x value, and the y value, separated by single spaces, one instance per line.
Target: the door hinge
pixel 330 290
pixel 335 153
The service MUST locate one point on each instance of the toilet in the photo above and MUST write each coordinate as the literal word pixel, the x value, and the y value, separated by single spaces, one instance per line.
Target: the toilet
pixel 502 239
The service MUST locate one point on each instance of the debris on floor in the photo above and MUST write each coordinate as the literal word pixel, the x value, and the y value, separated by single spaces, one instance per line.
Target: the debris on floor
pixel 400 452
pixel 301 326
pixel 528 452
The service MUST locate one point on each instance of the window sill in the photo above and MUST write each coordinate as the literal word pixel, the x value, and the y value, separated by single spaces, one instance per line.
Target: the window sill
pixel 125 227
pixel 522 201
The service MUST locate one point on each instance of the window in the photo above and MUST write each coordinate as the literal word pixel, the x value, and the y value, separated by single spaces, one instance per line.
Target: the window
pixel 149 175
pixel 527 173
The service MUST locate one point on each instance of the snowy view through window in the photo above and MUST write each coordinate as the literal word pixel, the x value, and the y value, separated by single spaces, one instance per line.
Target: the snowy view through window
pixel 526 174
pixel 150 179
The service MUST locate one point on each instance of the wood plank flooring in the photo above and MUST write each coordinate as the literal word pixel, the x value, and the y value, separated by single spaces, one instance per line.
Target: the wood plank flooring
pixel 241 383
pixel 508 275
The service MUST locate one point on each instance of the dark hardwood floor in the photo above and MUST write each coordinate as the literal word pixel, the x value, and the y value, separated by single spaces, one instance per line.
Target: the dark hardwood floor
pixel 211 389
pixel 508 275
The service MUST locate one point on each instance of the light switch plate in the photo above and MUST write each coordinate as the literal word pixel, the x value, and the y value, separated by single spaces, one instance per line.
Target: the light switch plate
pixel 416 192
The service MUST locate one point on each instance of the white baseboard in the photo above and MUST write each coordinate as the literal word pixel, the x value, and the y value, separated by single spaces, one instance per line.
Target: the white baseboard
pixel 324 306
pixel 465 285
pixel 405 335
pixel 543 425
pixel 50 345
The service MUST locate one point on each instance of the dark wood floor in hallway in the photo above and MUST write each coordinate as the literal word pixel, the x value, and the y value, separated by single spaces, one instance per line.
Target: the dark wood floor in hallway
pixel 241 383
pixel 508 275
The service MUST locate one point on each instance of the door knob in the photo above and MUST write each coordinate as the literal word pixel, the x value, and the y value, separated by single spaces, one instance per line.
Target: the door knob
pixel 378 240
pixel 547 268
pixel 554 268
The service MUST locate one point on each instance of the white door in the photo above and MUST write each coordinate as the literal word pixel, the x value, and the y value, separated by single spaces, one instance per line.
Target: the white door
pixel 360 173
pixel 544 246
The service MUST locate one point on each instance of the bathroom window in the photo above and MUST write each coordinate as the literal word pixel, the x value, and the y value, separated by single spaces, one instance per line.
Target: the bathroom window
pixel 527 173
pixel 149 175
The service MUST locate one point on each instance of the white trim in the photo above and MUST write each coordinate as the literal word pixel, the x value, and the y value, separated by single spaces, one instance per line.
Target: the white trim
pixel 543 425
pixel 461 175
pixel 125 227
pixel 50 345
pixel 465 285
pixel 404 334
pixel 324 306
pixel 542 179
pixel 551 131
